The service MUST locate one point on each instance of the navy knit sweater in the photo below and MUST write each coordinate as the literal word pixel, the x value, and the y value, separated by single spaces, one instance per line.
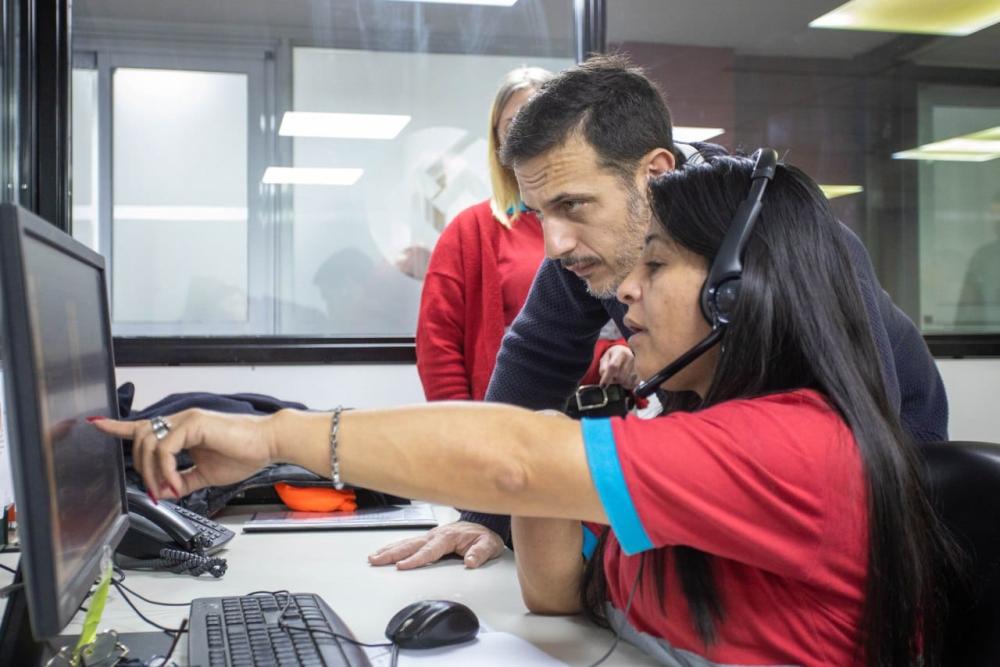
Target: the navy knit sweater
pixel 550 344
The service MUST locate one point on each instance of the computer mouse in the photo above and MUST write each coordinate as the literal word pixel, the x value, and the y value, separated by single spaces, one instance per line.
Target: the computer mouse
pixel 431 623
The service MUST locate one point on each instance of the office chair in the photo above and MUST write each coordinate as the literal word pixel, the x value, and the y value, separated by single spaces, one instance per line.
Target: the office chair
pixel 964 486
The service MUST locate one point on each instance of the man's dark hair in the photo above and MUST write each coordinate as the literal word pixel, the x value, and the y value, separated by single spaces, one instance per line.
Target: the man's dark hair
pixel 612 104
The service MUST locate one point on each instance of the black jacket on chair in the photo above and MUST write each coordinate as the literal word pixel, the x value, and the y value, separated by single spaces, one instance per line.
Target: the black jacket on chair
pixel 212 499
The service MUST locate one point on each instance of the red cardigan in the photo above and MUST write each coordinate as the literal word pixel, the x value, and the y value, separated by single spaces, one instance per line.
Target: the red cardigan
pixel 460 324
pixel 461 320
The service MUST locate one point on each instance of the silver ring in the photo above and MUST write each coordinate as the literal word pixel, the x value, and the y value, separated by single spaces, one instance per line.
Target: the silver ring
pixel 160 427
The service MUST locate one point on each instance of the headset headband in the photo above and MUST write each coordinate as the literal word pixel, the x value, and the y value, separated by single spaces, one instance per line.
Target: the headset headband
pixel 721 289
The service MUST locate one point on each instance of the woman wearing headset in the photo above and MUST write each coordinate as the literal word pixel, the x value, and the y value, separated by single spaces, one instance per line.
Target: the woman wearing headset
pixel 775 517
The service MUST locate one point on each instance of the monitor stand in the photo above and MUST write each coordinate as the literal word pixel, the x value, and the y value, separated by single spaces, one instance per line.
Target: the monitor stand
pixel 18 645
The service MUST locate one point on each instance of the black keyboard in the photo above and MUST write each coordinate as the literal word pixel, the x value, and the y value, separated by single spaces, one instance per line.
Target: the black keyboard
pixel 244 632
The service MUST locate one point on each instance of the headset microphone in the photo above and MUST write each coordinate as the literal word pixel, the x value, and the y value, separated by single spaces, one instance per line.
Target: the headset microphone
pixel 721 289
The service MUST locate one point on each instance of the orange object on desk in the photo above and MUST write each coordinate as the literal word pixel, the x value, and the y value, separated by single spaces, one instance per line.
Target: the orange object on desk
pixel 316 498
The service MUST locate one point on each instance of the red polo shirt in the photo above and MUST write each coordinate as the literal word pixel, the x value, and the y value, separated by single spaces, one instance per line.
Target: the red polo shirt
pixel 772 487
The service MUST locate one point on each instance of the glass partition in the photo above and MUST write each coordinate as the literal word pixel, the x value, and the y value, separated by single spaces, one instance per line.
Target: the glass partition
pixel 895 113
pixel 253 168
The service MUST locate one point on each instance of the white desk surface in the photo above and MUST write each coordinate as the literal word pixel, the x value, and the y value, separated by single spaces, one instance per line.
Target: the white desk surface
pixel 334 565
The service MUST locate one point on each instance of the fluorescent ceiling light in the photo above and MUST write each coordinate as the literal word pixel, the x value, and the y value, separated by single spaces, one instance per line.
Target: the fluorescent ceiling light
pixel 933 17
pixel 311 176
pixel 834 191
pixel 342 125
pixel 492 3
pixel 181 213
pixel 688 133
pixel 943 156
pixel 975 147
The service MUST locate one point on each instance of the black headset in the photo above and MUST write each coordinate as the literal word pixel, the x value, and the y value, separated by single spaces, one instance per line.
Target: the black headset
pixel 721 289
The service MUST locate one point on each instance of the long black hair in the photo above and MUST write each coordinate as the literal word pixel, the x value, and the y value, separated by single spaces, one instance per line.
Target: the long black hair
pixel 800 322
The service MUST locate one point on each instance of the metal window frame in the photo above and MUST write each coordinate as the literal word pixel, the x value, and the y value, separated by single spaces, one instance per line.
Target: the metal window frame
pixel 10 86
pixel 36 54
pixel 261 227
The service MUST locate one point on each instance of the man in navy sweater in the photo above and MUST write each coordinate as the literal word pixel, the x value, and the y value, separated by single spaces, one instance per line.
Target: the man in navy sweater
pixel 583 149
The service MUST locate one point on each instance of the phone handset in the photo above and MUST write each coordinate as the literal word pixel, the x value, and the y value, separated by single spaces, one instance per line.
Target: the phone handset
pixel 162 515
pixel 165 536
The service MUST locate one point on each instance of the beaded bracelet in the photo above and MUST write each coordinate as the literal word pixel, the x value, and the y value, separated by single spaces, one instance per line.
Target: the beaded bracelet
pixel 334 462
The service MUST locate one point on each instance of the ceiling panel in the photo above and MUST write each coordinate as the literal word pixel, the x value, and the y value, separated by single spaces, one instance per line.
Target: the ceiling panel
pixel 979 50
pixel 757 27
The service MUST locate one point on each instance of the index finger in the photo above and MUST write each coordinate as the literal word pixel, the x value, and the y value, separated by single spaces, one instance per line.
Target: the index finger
pixel 115 427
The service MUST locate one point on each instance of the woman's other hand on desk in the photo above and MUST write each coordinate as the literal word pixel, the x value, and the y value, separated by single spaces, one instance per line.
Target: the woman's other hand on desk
pixel 225 449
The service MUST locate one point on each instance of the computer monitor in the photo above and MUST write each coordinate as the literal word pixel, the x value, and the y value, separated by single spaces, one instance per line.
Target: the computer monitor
pixel 69 480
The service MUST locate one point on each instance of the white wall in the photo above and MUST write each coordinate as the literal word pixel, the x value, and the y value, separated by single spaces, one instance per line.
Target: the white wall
pixel 973 387
pixel 319 387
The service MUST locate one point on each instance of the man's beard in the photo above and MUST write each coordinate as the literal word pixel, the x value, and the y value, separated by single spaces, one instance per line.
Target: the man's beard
pixel 628 252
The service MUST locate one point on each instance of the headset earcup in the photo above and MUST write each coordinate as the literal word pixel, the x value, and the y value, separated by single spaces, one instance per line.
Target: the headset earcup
pixel 726 296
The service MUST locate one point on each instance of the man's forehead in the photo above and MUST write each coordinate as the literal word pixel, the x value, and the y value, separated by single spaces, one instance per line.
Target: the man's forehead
pixel 563 168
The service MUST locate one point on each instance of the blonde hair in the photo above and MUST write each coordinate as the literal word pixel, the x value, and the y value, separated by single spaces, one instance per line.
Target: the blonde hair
pixel 506 195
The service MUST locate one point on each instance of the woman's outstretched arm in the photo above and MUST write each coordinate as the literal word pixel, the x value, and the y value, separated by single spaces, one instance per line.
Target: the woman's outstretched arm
pixel 485 457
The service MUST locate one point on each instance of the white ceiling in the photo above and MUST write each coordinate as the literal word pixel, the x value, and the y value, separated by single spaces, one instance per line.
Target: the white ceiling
pixel 981 49
pixel 752 27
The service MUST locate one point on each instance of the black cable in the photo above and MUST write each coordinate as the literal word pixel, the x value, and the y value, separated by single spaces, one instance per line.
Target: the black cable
pixel 169 631
pixel 628 606
pixel 146 599
pixel 286 628
pixel 324 631
pixel 11 588
pixel 336 635
pixel 173 644
pixel 178 561
pixel 9 569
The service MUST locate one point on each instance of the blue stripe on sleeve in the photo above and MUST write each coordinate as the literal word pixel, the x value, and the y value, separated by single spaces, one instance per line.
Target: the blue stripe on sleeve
pixel 589 542
pixel 609 480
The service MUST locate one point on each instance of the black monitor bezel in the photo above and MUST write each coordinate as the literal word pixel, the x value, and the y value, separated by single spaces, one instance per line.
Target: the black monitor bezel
pixel 24 424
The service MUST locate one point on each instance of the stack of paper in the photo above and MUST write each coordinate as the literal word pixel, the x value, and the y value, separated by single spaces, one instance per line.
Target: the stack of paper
pixel 489 649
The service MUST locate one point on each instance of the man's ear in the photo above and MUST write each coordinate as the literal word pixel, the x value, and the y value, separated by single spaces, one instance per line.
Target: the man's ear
pixel 659 161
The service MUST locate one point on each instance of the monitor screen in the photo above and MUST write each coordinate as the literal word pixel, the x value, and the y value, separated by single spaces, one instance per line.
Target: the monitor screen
pixel 68 476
